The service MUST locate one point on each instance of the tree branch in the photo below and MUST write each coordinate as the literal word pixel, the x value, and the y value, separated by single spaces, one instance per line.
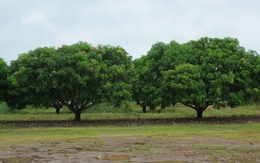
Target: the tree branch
pixel 193 107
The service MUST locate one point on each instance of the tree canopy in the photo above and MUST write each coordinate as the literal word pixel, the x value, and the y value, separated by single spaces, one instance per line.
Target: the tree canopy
pixel 4 71
pixel 77 76
pixel 215 70
pixel 208 71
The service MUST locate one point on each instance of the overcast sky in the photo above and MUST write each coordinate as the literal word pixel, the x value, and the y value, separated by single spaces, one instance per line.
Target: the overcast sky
pixel 133 24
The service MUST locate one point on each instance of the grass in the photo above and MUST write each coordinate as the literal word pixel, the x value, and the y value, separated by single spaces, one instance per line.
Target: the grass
pixel 248 132
pixel 132 111
pixel 136 140
pixel 95 138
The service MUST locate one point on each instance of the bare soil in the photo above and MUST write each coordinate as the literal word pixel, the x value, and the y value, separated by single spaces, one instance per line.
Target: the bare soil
pixel 135 122
pixel 136 149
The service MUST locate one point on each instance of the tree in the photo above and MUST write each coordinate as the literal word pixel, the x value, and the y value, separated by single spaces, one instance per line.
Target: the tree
pixel 86 78
pixel 215 70
pixel 29 79
pixel 147 91
pixel 76 76
pixel 253 94
pixel 4 72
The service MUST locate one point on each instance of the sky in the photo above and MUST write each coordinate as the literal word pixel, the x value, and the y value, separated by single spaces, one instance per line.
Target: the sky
pixel 134 25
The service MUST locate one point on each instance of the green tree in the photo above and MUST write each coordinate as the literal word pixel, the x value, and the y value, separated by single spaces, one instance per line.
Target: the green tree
pixel 147 91
pixel 253 94
pixel 215 70
pixel 77 76
pixel 29 80
pixel 148 88
pixel 4 72
pixel 82 79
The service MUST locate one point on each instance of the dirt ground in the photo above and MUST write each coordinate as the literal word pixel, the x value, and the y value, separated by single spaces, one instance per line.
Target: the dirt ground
pixel 135 149
pixel 135 122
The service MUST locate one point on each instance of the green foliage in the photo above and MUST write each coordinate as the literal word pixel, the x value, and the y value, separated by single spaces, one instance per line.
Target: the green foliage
pixel 253 93
pixel 198 74
pixel 78 76
pixel 147 90
pixel 4 109
pixel 4 71
pixel 209 71
pixel 215 71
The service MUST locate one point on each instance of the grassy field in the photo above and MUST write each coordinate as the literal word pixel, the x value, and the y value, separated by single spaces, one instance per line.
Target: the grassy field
pixel 192 142
pixel 105 111
pixel 248 132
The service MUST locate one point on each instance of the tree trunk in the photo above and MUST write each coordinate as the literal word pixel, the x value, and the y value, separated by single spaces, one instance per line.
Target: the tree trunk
pixel 57 106
pixel 144 109
pixel 77 116
pixel 58 110
pixel 199 113
pixel 152 107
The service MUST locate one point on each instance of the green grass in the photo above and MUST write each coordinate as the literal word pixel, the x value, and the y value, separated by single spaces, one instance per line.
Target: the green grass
pixel 132 111
pixel 94 138
pixel 24 136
